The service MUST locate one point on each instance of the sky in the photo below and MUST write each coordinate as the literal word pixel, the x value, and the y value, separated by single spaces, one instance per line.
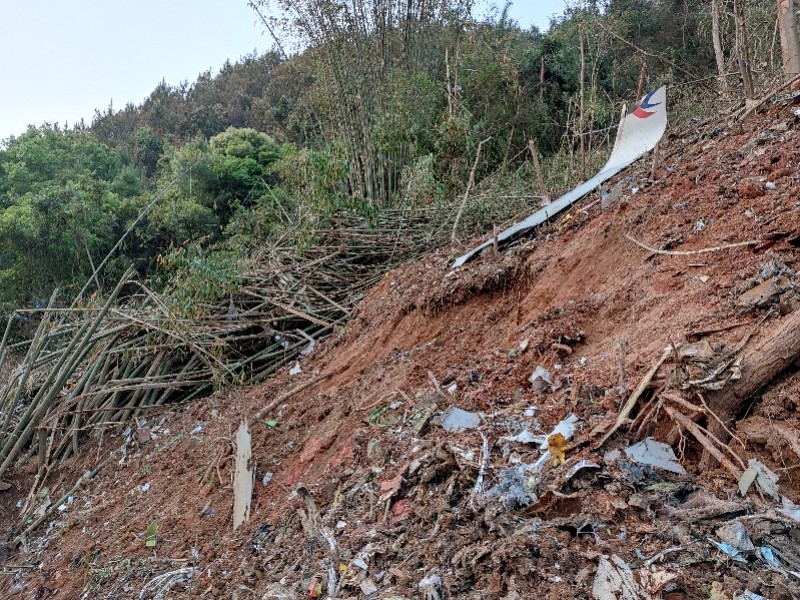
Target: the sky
pixel 59 61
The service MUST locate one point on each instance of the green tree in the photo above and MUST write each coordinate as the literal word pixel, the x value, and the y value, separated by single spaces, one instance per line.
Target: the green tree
pixel 61 209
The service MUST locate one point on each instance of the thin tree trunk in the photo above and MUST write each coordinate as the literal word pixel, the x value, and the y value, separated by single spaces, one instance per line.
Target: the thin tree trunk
pixel 541 81
pixel 581 119
pixel 450 104
pixel 742 49
pixel 790 43
pixel 470 183
pixel 717 40
pixel 640 89
pixel 537 168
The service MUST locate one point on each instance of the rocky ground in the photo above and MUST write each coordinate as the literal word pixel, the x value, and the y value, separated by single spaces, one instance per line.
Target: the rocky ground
pixel 368 484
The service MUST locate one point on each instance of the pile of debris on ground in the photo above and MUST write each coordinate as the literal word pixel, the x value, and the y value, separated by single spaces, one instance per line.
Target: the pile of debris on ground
pixel 553 421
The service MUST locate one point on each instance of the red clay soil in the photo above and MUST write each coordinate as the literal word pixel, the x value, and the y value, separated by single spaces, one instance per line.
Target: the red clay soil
pixel 361 456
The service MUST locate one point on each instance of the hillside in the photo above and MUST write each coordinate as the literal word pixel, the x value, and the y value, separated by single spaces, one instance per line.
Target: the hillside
pixel 355 471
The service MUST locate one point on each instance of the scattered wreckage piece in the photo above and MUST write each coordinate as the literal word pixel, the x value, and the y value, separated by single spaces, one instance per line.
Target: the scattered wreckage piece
pixel 639 132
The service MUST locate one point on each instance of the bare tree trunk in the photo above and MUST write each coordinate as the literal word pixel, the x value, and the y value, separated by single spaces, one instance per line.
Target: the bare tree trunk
pixel 640 89
pixel 742 49
pixel 717 40
pixel 790 43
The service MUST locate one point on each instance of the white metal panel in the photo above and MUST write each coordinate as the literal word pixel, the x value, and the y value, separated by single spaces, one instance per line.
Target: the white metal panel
pixel 639 132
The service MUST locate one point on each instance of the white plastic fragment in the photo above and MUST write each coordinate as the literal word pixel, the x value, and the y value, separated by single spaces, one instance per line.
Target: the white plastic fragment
pixel 362 559
pixel 615 581
pixel 430 586
pixel 456 420
pixel 735 534
pixel 540 379
pixel 655 454
pixel 768 555
pixel 161 584
pixel 368 587
pixel 746 480
pixel 295 370
pixel 580 466
pixel 516 486
pixel 790 509
pixel 728 549
pixel 758 471
pixel 566 428
pixel 452 389
pixel 525 437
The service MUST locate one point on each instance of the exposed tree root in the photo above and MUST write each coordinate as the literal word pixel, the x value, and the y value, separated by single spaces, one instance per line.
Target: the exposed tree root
pixel 773 351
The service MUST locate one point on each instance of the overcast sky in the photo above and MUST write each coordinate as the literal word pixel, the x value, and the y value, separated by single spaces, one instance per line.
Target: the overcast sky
pixel 59 61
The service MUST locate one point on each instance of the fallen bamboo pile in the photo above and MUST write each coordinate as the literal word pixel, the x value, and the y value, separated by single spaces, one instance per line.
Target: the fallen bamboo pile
pixel 106 362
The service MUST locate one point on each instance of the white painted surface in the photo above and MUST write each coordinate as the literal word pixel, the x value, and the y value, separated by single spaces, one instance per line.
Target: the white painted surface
pixel 639 132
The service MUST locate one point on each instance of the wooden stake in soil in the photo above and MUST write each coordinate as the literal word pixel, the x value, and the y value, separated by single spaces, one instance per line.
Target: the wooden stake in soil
pixel 622 348
pixel 640 89
pixel 242 477
pixel 654 168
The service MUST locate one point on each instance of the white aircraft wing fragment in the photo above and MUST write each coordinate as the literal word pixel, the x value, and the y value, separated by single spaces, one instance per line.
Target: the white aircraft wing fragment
pixel 639 132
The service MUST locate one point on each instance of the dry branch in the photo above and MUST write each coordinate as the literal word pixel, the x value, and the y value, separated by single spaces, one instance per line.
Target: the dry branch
pixel 691 252
pixel 469 187
pixel 284 397
pixel 686 423
pixel 626 410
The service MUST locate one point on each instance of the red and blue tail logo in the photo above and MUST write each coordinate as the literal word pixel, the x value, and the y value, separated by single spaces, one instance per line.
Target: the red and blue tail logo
pixel 641 110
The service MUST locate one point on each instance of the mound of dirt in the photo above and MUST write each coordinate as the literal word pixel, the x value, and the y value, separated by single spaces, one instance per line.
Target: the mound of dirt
pixel 364 487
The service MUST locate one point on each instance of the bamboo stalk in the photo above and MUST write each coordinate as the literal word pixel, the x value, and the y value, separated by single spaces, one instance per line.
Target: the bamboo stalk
pixel 128 358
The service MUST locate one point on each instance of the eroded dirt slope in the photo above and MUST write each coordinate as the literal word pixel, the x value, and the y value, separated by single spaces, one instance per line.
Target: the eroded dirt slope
pixel 414 510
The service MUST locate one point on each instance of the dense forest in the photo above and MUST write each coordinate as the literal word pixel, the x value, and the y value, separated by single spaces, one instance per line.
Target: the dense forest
pixel 390 104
